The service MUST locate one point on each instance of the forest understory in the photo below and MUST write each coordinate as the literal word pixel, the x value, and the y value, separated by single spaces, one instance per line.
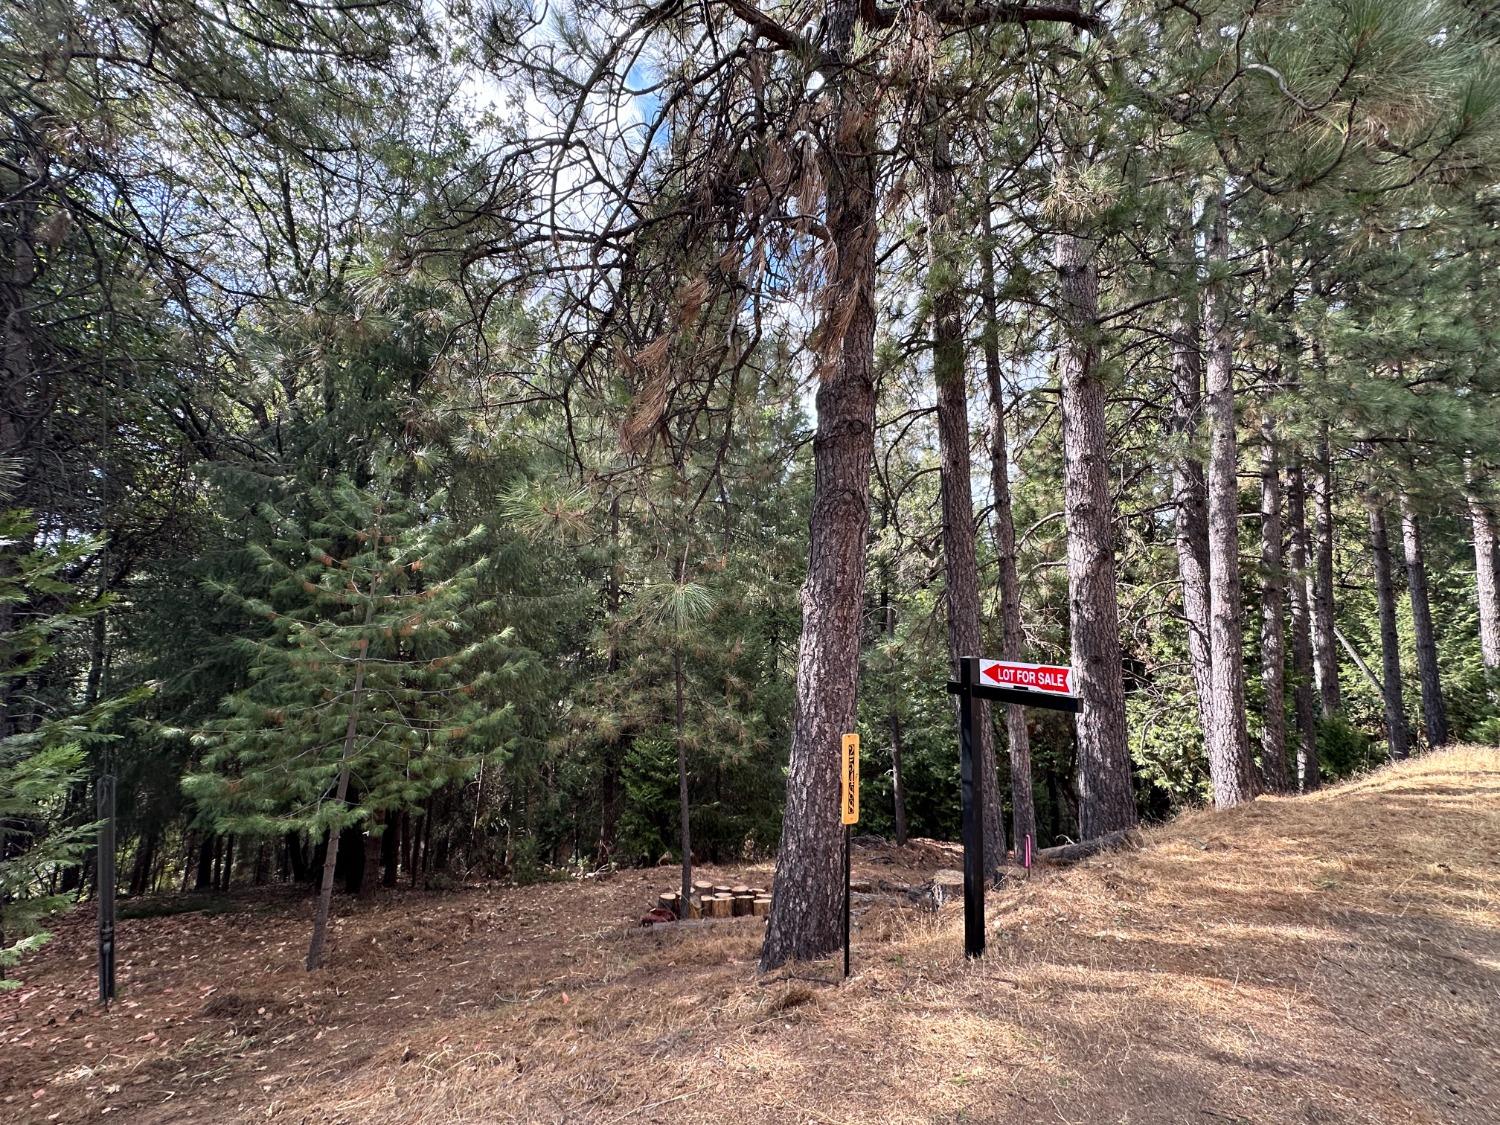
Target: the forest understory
pixel 1333 957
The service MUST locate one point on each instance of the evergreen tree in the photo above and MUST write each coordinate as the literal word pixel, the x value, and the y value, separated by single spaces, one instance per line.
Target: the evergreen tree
pixel 383 674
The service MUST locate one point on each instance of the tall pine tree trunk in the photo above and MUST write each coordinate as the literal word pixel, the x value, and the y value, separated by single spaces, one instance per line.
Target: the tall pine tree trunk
pixel 960 564
pixel 806 916
pixel 1325 643
pixel 1228 740
pixel 893 714
pixel 1273 603
pixel 1398 737
pixel 1486 578
pixel 684 809
pixel 1106 802
pixel 614 751
pixel 893 722
pixel 1018 739
pixel 1189 489
pixel 1302 653
pixel 1434 715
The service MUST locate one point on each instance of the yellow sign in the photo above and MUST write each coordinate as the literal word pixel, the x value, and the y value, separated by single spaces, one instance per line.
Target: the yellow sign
pixel 849 780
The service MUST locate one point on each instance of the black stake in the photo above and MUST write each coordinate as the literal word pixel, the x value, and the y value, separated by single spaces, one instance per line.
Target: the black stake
pixel 104 798
pixel 973 812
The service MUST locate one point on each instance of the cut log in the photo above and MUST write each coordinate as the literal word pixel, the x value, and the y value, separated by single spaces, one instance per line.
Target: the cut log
pixel 759 892
pixel 695 907
pixel 760 906
pixel 739 889
pixel 723 890
pixel 743 904
pixel 700 888
pixel 667 900
pixel 1071 853
pixel 718 906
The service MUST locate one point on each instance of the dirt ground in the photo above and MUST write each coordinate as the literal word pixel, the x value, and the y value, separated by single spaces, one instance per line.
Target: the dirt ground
pixel 1333 958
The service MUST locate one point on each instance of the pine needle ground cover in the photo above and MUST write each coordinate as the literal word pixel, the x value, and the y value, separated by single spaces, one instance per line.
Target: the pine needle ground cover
pixel 1331 958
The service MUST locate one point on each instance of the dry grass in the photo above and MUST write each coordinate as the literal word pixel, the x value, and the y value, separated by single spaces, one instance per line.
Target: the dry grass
pixel 1334 958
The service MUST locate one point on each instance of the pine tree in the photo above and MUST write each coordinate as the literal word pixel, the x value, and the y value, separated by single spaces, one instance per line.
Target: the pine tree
pixel 382 675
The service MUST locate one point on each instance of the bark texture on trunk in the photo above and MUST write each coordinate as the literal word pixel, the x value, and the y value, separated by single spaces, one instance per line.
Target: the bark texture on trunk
pixel 1189 489
pixel 1272 625
pixel 1229 761
pixel 1486 578
pixel 806 915
pixel 1012 639
pixel 1434 714
pixel 960 564
pixel 1398 736
pixel 369 872
pixel 1106 802
pixel 1325 644
pixel 145 862
pixel 204 879
pixel 1302 653
pixel 390 854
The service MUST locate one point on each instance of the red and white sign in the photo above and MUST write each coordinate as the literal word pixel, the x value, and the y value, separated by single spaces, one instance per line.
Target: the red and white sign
pixel 1048 679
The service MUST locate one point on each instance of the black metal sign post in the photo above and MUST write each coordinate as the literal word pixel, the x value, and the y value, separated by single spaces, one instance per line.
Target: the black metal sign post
pixel 969 688
pixel 104 861
pixel 973 811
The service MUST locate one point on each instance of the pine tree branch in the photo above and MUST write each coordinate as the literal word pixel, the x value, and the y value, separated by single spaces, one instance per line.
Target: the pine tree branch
pixel 982 15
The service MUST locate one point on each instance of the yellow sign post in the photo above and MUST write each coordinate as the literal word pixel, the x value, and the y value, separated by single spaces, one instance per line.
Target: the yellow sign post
pixel 849 780
pixel 849 814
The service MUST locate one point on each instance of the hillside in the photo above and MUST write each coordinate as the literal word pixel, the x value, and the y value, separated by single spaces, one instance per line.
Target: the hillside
pixel 1333 958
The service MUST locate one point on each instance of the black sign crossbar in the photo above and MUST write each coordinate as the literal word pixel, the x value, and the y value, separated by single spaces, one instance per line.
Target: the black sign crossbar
pixel 1049 700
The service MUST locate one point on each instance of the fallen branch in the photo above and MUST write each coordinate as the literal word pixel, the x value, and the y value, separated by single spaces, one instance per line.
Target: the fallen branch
pixel 1071 853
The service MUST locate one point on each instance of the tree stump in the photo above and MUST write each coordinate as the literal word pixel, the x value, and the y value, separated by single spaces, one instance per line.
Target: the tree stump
pixel 718 906
pixel 700 888
pixel 667 900
pixel 743 904
pixel 945 886
pixel 760 906
pixel 722 890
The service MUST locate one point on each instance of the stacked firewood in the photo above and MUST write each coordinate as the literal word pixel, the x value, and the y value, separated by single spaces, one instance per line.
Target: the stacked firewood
pixel 710 900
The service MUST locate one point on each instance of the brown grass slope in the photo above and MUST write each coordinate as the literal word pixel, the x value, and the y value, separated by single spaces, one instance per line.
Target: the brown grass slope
pixel 1333 958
